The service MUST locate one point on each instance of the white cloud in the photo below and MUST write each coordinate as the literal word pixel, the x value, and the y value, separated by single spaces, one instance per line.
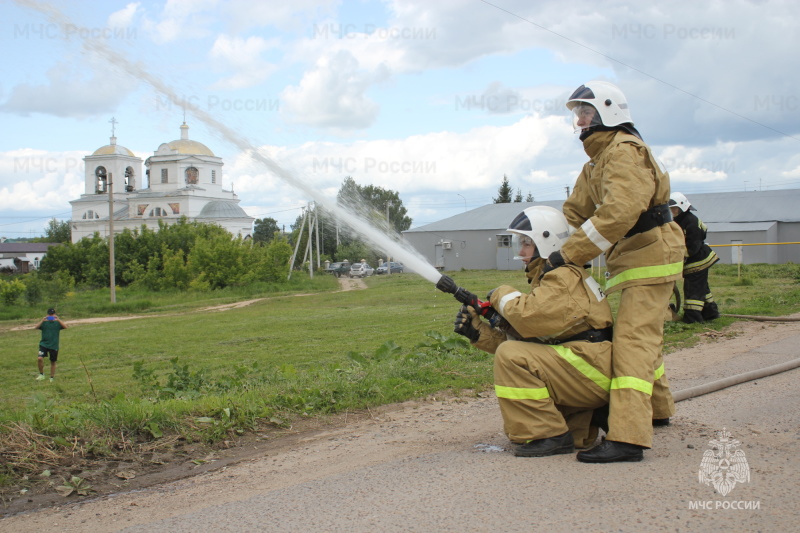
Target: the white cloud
pixel 333 94
pixel 124 17
pixel 419 165
pixel 246 14
pixel 243 56
pixel 70 92
pixel 184 20
pixel 38 180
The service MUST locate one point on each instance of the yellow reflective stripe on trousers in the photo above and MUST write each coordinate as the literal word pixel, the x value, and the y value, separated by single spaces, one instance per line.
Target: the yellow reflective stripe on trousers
pixel 583 367
pixel 703 262
pixel 630 382
pixel 659 372
pixel 657 271
pixel 518 393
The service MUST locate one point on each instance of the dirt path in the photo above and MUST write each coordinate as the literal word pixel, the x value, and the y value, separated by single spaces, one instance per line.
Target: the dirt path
pixel 345 284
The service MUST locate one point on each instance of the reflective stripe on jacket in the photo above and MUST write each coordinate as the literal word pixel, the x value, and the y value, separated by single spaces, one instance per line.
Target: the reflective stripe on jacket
pixel 620 182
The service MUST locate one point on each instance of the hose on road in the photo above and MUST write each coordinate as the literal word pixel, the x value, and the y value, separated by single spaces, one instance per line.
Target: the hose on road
pixel 724 383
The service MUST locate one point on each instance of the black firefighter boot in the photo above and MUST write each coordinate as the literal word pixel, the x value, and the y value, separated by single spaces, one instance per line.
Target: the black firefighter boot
pixel 610 451
pixel 691 316
pixel 710 311
pixel 544 447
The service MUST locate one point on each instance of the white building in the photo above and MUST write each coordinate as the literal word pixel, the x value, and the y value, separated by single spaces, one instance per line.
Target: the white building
pixel 766 222
pixel 183 178
pixel 23 257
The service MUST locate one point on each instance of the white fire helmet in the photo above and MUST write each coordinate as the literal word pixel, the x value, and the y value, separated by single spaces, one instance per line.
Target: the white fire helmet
pixel 606 98
pixel 681 202
pixel 545 226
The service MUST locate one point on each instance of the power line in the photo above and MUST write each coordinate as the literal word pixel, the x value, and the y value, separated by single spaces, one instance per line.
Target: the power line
pixel 643 73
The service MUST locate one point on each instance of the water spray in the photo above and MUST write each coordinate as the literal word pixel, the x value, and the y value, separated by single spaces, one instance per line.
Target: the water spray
pixel 348 217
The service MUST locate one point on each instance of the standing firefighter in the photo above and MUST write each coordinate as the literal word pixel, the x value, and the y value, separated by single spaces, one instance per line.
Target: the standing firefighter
pixel 557 368
pixel 619 207
pixel 698 302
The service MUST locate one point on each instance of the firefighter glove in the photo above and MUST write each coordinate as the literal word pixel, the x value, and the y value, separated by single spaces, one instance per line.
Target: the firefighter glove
pixel 464 323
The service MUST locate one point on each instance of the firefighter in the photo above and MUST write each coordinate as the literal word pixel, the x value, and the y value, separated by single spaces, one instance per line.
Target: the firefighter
pixel 619 206
pixel 698 302
pixel 552 363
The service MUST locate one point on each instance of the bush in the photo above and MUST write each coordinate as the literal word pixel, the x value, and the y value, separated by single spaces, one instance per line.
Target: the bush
pixel 11 290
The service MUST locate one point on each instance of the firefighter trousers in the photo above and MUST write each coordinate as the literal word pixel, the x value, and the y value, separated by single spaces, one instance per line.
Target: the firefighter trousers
pixel 661 401
pixel 696 292
pixel 544 391
pixel 638 340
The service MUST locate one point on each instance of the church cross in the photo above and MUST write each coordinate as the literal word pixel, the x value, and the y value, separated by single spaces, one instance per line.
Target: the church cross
pixel 113 122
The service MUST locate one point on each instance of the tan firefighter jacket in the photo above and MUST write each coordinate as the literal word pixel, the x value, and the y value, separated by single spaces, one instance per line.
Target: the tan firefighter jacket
pixel 621 181
pixel 565 302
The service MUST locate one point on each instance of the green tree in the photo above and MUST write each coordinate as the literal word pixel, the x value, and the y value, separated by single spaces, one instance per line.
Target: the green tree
pixel 518 197
pixel 56 231
pixel 265 229
pixel 529 198
pixel 372 200
pixel 503 193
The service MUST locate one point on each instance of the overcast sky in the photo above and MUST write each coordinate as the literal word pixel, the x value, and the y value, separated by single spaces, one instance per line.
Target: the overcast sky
pixel 434 99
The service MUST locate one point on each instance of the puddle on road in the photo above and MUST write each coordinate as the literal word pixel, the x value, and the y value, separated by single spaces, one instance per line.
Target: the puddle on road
pixel 489 448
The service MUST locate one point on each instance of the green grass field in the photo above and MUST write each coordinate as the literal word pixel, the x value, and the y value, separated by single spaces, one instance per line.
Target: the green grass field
pixel 311 351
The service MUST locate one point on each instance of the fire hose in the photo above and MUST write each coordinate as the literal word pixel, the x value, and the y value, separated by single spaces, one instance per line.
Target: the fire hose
pixel 724 383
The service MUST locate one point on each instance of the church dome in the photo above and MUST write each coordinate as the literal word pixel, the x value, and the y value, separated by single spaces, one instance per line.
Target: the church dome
pixel 113 149
pixel 184 145
pixel 222 209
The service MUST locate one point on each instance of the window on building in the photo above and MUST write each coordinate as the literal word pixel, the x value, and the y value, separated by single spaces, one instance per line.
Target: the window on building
pixel 164 175
pixel 504 241
pixel 36 262
pixel 101 180
pixel 129 182
pixel 213 176
pixel 191 176
pixel 158 212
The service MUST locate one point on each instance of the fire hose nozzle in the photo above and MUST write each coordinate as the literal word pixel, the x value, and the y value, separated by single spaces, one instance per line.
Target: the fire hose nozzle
pixel 446 284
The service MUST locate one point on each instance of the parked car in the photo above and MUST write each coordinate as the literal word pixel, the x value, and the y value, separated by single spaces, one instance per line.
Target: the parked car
pixel 361 270
pixel 397 268
pixel 338 269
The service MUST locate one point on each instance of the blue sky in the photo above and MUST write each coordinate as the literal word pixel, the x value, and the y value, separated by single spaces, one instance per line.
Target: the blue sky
pixel 435 100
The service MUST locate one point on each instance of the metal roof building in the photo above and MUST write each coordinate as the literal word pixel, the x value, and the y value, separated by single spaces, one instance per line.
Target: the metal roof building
pixel 477 240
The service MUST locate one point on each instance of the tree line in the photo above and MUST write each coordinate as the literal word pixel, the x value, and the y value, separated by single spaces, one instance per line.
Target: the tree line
pixel 184 255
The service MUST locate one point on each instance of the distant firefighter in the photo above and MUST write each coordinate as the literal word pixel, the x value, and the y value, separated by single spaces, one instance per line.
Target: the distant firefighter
pixel 698 305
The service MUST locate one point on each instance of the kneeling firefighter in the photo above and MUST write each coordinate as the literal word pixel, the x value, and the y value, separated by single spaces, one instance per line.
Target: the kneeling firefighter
pixel 552 363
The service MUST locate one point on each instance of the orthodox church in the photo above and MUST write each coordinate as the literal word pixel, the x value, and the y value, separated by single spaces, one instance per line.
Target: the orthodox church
pixel 182 178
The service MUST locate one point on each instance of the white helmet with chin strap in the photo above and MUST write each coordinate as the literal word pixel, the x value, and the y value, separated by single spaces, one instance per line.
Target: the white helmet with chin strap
pixel 681 202
pixel 545 226
pixel 606 98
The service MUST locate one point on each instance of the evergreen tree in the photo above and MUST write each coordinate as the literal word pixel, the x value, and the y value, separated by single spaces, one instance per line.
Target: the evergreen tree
pixel 503 193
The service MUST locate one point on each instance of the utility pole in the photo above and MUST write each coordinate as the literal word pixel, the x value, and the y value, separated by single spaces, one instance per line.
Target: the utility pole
pixel 567 188
pixel 111 266
pixel 316 227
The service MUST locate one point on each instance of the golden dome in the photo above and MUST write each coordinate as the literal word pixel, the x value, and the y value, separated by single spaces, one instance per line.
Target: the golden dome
pixel 184 145
pixel 113 149
pixel 187 147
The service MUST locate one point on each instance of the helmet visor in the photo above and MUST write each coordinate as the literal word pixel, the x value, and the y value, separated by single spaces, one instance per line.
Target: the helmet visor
pixel 585 116
pixel 524 248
